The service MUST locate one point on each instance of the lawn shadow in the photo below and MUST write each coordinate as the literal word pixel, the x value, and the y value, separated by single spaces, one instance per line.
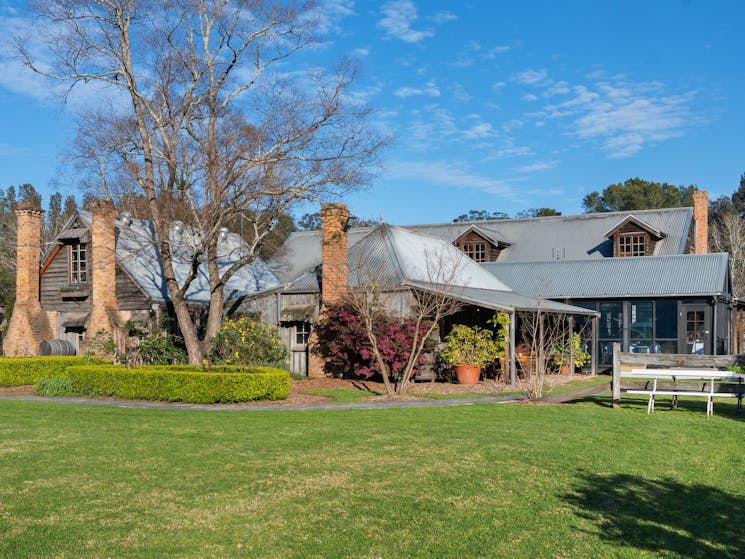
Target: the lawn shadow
pixel 689 521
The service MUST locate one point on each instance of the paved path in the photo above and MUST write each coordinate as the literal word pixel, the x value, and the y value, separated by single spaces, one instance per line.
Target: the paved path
pixel 425 403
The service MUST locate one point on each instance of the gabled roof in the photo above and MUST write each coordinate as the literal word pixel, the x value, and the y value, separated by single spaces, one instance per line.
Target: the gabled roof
pixel 138 254
pixel 575 237
pixel 656 233
pixel 391 256
pixel 641 276
pixel 483 233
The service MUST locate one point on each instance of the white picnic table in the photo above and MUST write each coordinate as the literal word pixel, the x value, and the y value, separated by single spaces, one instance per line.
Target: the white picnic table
pixel 710 379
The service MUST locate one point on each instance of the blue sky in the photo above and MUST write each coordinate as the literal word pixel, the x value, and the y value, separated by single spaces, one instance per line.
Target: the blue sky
pixel 501 106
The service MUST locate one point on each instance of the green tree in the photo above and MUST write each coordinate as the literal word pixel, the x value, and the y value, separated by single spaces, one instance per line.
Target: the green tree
pixel 638 194
pixel 480 215
pixel 537 212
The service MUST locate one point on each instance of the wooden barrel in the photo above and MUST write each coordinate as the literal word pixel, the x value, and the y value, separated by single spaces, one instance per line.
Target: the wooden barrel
pixel 56 347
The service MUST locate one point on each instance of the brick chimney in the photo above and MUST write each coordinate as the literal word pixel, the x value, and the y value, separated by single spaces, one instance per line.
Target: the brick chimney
pixel 104 312
pixel 701 222
pixel 334 278
pixel 30 324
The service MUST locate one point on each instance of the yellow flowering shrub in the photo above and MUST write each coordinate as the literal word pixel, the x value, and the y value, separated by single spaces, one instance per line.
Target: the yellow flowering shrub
pixel 243 341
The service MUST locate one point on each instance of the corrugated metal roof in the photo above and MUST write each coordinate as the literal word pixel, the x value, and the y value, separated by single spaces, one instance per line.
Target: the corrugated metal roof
pixel 138 253
pixel 502 300
pixel 685 274
pixel 576 237
pixel 392 255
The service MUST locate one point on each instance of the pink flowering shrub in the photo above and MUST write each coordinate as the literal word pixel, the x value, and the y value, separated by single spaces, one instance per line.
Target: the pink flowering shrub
pixel 346 349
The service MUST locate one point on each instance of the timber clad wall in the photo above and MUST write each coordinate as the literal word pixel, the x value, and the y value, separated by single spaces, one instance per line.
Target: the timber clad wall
pixel 649 242
pixel 491 252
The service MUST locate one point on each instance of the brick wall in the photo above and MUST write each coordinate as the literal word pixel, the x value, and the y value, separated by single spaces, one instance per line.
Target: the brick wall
pixel 30 324
pixel 701 222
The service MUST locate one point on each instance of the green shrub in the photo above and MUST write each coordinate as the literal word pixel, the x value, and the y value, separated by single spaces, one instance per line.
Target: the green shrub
pixel 20 371
pixel 54 387
pixel 245 342
pixel 181 384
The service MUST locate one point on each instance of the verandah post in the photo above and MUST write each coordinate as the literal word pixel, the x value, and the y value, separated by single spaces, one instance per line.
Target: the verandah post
pixel 616 384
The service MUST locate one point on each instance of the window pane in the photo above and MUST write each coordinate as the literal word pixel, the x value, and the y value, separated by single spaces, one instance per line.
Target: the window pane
pixel 666 319
pixel 641 320
pixel 611 320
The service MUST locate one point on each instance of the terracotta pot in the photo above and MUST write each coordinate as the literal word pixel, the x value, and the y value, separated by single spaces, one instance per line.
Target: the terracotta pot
pixel 467 374
pixel 564 370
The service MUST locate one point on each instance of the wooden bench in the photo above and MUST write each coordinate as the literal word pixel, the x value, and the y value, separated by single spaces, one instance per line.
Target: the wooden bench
pixel 710 384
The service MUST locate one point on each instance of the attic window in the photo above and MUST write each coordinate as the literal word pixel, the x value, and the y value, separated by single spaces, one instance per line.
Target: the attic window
pixel 632 244
pixel 78 263
pixel 475 250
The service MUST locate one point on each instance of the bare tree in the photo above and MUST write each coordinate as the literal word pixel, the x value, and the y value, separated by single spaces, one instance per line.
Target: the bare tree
pixel 727 234
pixel 430 302
pixel 202 125
pixel 542 332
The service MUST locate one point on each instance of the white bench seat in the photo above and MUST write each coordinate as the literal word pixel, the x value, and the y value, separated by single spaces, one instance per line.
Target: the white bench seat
pixel 709 377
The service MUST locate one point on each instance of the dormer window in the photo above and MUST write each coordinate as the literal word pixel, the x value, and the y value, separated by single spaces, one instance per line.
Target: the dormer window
pixel 632 244
pixel 78 263
pixel 480 245
pixel 633 237
pixel 475 250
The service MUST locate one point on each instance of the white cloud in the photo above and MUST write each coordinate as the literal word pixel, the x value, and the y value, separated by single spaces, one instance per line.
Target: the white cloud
pixel 428 90
pixel 493 52
pixel 531 77
pixel 448 174
pixel 361 53
pixel 398 17
pixel 443 17
pixel 529 97
pixel 460 93
pixel 328 14
pixel 480 131
pixel 537 166
pixel 623 116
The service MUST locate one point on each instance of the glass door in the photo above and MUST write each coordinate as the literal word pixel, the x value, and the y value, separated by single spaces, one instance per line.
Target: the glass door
pixel 696 328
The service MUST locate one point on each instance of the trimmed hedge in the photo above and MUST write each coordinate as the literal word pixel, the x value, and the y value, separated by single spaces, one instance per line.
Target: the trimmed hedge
pixel 19 371
pixel 180 384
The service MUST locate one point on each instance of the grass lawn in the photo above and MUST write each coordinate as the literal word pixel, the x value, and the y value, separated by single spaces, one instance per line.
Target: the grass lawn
pixel 575 481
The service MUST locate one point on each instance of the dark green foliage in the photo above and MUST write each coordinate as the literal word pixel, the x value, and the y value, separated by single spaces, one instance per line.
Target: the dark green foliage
pixel 638 194
pixel 480 215
pixel 537 212
pixel 180 384
pixel 20 371
pixel 245 342
pixel 54 387
pixel 311 222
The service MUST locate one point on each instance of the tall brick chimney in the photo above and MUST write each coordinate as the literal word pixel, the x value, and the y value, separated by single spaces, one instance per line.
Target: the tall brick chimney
pixel 334 278
pixel 29 325
pixel 334 271
pixel 104 312
pixel 701 222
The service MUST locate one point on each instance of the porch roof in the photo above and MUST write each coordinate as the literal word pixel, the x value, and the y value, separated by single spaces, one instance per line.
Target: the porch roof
pixel 501 300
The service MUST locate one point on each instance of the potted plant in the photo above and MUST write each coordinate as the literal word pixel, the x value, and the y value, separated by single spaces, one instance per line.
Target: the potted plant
pixel 468 349
pixel 561 353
